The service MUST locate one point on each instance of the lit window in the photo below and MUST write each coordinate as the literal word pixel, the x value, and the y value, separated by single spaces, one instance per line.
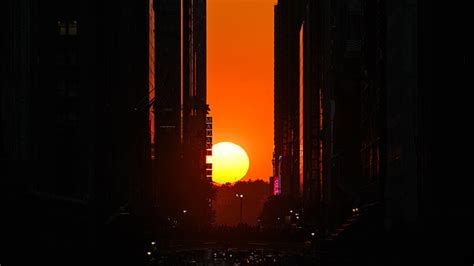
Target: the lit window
pixel 62 28
pixel 67 27
pixel 72 28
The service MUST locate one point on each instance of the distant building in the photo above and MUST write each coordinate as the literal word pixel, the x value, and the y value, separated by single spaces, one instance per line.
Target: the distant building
pixel 181 108
pixel 208 148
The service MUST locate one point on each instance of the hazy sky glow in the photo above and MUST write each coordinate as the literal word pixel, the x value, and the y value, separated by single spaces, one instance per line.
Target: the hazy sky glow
pixel 240 77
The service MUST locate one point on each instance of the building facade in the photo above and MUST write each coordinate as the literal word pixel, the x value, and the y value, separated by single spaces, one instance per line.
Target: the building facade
pixel 286 113
pixel 73 84
pixel 341 109
pixel 181 109
pixel 367 114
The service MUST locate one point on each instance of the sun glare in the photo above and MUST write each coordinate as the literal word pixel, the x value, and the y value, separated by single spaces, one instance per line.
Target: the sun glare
pixel 230 162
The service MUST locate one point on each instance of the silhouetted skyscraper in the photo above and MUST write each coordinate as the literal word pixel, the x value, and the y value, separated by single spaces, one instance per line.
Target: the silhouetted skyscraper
pixel 342 93
pixel 168 106
pixel 181 108
pixel 75 129
pixel 370 115
pixel 286 139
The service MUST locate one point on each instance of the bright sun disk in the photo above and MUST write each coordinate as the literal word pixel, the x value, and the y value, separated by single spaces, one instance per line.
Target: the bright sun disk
pixel 229 161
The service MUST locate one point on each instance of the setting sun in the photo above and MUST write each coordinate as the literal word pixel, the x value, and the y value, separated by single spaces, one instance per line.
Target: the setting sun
pixel 230 162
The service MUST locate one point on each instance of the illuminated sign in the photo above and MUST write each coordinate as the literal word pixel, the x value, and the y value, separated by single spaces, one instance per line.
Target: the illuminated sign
pixel 277 180
pixel 276 186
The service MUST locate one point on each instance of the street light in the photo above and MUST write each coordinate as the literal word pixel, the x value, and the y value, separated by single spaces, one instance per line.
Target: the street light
pixel 241 197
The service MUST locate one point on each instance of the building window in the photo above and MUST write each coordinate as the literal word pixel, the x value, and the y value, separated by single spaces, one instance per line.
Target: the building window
pixel 62 28
pixel 61 87
pixel 67 27
pixel 60 58
pixel 377 161
pixel 355 27
pixel 67 89
pixel 67 57
pixel 72 58
pixel 72 28
pixel 301 109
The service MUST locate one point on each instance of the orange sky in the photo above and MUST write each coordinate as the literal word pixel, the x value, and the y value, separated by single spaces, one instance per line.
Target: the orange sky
pixel 240 78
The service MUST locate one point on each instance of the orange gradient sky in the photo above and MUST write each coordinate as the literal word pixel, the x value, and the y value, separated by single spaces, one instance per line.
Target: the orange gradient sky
pixel 240 78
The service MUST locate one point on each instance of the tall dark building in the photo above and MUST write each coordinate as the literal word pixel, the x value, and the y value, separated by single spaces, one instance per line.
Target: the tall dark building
pixel 341 109
pixel 373 95
pixel 181 109
pixel 75 134
pixel 315 111
pixel 342 116
pixel 425 119
pixel 195 110
pixel 286 140
pixel 370 116
pixel 169 101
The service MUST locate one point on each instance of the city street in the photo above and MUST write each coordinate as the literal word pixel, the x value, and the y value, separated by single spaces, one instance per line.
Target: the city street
pixel 229 253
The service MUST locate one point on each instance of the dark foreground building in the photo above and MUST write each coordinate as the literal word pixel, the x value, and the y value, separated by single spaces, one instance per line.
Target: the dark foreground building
pixel 286 154
pixel 103 132
pixel 375 125
pixel 74 131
